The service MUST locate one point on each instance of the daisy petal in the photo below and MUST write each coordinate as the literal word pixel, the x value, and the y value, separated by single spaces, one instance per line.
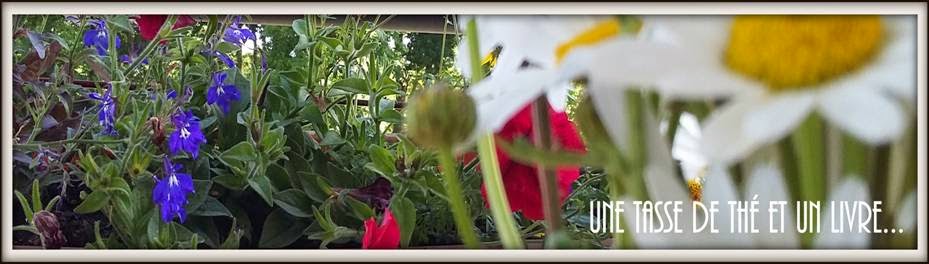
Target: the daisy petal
pixel 720 188
pixel 499 97
pixel 767 182
pixel 777 115
pixel 863 112
pixel 724 140
pixel 610 105
pixel 851 189
pixel 906 213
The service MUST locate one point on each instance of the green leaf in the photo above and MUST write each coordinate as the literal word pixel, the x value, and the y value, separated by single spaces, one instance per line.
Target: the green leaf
pixel 240 152
pixel 361 210
pixel 202 171
pixel 36 195
pixel 384 162
pixel 405 212
pixel 352 85
pixel 299 27
pixel 201 192
pixel 281 229
pixel 231 181
pixel 121 22
pixel 332 138
pixel 391 116
pixel 27 210
pixel 51 204
pixel 524 151
pixel 294 202
pixel 311 113
pixel 279 177
pixel 212 207
pixel 314 186
pixel 92 203
pixel 232 240
pixel 262 186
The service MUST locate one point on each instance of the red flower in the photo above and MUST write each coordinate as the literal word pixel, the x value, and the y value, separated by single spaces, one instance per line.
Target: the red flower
pixel 385 236
pixel 150 24
pixel 521 180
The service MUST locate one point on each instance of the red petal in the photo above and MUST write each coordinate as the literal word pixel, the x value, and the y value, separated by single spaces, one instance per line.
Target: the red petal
pixel 385 236
pixel 370 233
pixel 521 180
pixel 149 25
pixel 183 21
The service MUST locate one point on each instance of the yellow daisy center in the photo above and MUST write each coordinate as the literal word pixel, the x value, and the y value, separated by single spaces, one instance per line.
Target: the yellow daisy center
pixel 695 186
pixel 601 31
pixel 793 52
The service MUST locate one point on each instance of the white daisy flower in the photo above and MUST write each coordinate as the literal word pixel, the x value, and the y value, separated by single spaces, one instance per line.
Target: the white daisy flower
pixel 536 41
pixel 779 69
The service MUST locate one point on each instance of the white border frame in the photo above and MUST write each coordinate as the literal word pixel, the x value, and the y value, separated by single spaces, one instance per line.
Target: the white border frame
pixel 270 8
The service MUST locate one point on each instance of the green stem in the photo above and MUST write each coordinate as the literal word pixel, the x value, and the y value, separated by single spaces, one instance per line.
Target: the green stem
pixel 66 141
pixel 151 46
pixel 490 168
pixel 810 156
pixel 636 156
pixel 459 208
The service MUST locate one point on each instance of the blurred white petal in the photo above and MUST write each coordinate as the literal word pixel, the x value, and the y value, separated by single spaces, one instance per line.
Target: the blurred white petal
pixel 906 214
pixel 777 115
pixel 707 33
pixel 660 177
pixel 863 112
pixel 686 147
pixel 767 182
pixel 724 140
pixel 719 187
pixel 611 107
pixel 558 95
pixel 499 97
pixel 851 189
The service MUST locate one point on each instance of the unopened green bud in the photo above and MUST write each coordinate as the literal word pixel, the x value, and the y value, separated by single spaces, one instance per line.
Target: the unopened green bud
pixel 440 117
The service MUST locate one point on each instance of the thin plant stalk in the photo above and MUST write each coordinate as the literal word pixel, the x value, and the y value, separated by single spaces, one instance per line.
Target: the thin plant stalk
pixel 460 210
pixel 490 168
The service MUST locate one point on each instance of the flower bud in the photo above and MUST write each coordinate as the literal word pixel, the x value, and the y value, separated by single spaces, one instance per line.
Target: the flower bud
pixel 47 225
pixel 441 117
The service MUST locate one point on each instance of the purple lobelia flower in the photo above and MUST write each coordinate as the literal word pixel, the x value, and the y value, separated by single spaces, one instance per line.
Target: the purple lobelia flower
pixel 187 135
pixel 220 93
pixel 238 35
pixel 222 57
pixel 171 191
pixel 98 37
pixel 107 113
